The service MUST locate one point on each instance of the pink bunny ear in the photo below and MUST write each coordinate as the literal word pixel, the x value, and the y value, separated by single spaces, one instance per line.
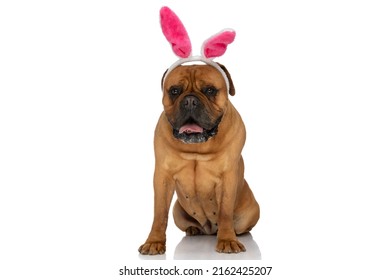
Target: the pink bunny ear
pixel 217 44
pixel 175 32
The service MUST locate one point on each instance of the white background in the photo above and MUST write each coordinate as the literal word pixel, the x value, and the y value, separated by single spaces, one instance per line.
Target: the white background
pixel 80 96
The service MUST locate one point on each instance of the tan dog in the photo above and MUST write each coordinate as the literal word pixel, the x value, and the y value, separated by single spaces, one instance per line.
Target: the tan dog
pixel 198 143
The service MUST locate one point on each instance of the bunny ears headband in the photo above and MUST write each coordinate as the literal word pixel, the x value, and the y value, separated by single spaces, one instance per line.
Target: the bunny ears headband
pixel 177 36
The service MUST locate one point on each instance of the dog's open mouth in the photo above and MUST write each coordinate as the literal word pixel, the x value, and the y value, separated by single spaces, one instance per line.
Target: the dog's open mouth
pixel 190 128
pixel 191 132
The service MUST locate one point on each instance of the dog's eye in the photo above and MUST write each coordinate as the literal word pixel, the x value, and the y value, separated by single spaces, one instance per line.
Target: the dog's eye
pixel 175 90
pixel 210 91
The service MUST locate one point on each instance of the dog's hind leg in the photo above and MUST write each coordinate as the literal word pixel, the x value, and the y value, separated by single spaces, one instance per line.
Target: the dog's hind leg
pixel 247 215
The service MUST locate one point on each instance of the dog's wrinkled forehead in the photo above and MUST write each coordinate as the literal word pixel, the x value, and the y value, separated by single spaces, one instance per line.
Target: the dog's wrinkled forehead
pixel 195 76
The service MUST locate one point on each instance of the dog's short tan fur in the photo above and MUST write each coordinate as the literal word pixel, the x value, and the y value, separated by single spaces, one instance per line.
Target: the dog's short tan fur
pixel 208 177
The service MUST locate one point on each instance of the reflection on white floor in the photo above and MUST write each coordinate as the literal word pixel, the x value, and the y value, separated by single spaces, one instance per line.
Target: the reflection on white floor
pixel 202 247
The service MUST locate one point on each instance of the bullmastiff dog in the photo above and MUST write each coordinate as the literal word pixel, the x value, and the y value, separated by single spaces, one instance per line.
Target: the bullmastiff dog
pixel 198 142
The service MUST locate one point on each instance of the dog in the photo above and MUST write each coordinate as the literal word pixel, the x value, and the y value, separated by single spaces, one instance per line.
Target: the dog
pixel 198 142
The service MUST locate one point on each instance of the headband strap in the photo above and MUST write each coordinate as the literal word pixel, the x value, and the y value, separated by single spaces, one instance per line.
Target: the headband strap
pixel 201 59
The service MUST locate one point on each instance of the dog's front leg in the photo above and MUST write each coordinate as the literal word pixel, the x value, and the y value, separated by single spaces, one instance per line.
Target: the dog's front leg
pixel 227 241
pixel 163 193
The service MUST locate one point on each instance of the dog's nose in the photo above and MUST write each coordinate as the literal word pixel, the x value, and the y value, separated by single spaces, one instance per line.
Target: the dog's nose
pixel 190 102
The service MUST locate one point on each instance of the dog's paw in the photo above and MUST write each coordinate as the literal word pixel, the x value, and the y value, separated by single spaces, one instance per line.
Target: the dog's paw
pixel 193 231
pixel 153 248
pixel 229 246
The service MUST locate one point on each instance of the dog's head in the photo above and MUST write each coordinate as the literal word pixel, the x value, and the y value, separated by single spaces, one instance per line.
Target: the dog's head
pixel 195 100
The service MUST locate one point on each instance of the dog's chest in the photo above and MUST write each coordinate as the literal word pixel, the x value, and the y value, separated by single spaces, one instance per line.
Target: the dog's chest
pixel 198 191
pixel 196 180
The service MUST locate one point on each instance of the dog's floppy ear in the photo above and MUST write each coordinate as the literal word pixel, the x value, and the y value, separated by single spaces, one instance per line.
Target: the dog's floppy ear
pixel 232 90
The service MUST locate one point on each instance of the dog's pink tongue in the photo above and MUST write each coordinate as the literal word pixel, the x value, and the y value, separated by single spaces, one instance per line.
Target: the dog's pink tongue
pixel 191 128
